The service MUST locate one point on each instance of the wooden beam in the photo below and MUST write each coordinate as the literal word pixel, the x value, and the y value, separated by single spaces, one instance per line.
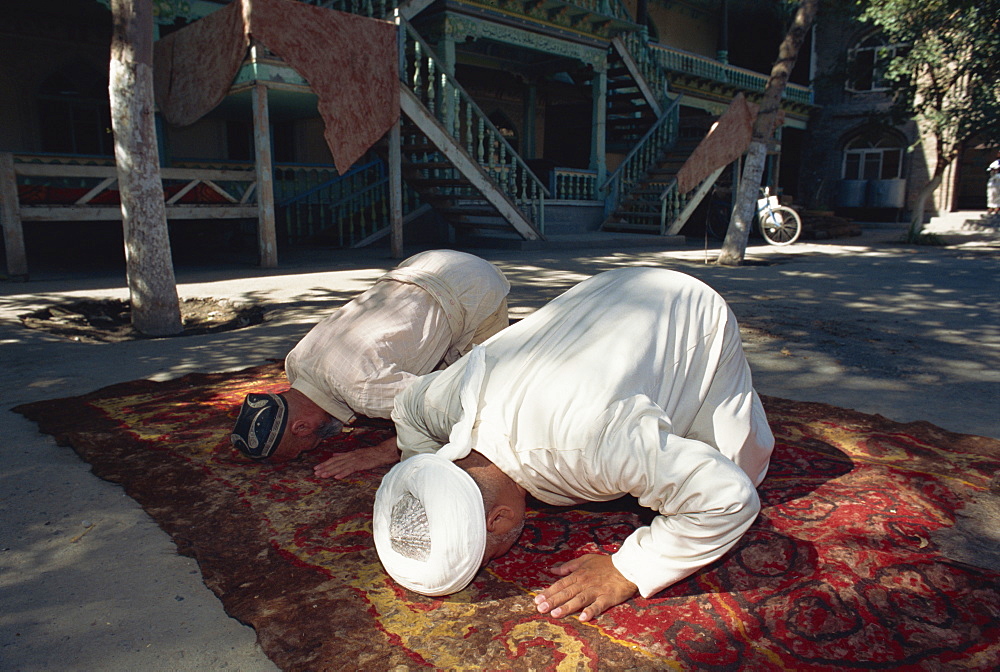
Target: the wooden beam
pixel 249 192
pixel 13 233
pixel 220 191
pixel 183 192
pixel 70 170
pixel 692 204
pixel 104 184
pixel 97 213
pixel 396 190
pixel 633 68
pixel 267 245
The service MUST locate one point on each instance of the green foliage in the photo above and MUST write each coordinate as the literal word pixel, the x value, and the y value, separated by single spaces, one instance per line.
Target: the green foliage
pixel 166 12
pixel 944 71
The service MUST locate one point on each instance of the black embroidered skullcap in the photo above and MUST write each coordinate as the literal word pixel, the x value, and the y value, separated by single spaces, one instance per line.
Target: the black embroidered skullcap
pixel 260 425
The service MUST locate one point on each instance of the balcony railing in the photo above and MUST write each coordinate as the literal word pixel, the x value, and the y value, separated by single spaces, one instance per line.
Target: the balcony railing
pixel 573 184
pixel 684 62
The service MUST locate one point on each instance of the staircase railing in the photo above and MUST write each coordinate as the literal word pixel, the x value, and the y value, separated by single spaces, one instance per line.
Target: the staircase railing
pixel 384 9
pixel 671 204
pixel 573 184
pixel 452 106
pixel 649 66
pixel 315 201
pixel 646 153
pixel 677 208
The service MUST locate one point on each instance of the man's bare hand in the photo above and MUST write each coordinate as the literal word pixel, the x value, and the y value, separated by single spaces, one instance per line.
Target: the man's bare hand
pixel 591 585
pixel 342 465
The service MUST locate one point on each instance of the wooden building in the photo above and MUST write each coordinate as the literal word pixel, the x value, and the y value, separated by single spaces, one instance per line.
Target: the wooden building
pixel 520 120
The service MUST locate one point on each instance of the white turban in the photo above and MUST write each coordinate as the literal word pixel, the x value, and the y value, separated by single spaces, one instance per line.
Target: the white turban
pixel 429 522
pixel 430 525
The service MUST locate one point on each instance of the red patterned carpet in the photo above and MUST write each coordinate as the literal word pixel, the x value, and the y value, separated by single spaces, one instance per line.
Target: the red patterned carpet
pixel 840 571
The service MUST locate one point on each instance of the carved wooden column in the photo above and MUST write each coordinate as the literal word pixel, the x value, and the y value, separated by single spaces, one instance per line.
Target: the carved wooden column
pixel 10 217
pixel 530 113
pixel 267 245
pixel 598 132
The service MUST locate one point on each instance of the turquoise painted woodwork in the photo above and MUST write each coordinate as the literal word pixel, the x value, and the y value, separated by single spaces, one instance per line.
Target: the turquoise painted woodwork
pixel 464 121
pixel 645 155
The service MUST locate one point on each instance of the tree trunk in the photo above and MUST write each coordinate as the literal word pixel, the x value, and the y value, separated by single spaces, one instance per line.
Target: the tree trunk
pixel 920 207
pixel 734 247
pixel 920 204
pixel 148 265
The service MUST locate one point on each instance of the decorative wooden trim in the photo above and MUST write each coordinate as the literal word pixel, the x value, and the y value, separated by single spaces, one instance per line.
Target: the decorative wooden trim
pixel 184 190
pixel 69 170
pixel 104 184
pixel 93 213
pixel 10 218
pixel 470 169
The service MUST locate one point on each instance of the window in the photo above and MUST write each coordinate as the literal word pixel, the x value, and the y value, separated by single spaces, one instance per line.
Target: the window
pixel 866 158
pixel 74 112
pixel 868 61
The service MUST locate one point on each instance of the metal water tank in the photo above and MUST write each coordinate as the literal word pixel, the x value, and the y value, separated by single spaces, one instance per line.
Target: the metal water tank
pixel 851 193
pixel 886 193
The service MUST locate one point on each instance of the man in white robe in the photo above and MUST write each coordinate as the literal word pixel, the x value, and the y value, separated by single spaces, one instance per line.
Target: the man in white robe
pixel 422 315
pixel 632 382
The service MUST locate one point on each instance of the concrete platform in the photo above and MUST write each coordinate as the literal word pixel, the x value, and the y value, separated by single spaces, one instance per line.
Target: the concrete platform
pixel 912 333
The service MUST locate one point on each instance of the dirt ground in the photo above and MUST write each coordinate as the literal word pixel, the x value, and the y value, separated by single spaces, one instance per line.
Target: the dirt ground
pixel 110 320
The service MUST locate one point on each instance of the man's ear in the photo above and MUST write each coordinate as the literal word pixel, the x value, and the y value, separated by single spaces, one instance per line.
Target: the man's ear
pixel 301 427
pixel 501 519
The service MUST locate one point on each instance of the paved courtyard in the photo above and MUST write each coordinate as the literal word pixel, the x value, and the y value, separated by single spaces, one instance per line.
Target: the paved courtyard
pixel 88 581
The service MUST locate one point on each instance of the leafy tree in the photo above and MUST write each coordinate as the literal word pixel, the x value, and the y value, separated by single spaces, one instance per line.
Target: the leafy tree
pixel 945 77
pixel 149 268
pixel 735 245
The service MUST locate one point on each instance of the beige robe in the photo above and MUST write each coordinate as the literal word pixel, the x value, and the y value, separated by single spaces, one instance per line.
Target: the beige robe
pixel 423 314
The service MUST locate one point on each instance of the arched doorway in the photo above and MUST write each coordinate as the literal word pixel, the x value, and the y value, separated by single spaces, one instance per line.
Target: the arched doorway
pixel 971 176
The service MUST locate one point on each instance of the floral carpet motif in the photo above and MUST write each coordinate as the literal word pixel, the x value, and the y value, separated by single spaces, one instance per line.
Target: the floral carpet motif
pixel 840 571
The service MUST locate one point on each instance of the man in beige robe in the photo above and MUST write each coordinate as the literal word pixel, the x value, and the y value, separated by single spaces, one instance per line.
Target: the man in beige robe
pixel 422 315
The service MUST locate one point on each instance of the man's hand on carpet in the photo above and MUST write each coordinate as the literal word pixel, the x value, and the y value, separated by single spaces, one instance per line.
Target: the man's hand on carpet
pixel 342 465
pixel 591 585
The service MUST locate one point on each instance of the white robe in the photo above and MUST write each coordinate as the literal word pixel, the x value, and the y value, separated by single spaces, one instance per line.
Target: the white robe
pixel 633 382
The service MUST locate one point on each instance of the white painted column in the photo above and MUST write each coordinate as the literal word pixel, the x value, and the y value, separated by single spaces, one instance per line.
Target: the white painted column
pixel 10 217
pixel 267 246
pixel 598 133
pixel 396 191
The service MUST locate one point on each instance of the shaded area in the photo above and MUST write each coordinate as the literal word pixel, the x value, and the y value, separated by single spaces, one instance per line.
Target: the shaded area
pixel 110 320
pixel 841 570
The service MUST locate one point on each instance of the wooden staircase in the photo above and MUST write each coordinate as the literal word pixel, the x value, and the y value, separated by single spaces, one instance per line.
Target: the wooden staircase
pixel 456 159
pixel 453 182
pixel 633 106
pixel 642 193
pixel 640 210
